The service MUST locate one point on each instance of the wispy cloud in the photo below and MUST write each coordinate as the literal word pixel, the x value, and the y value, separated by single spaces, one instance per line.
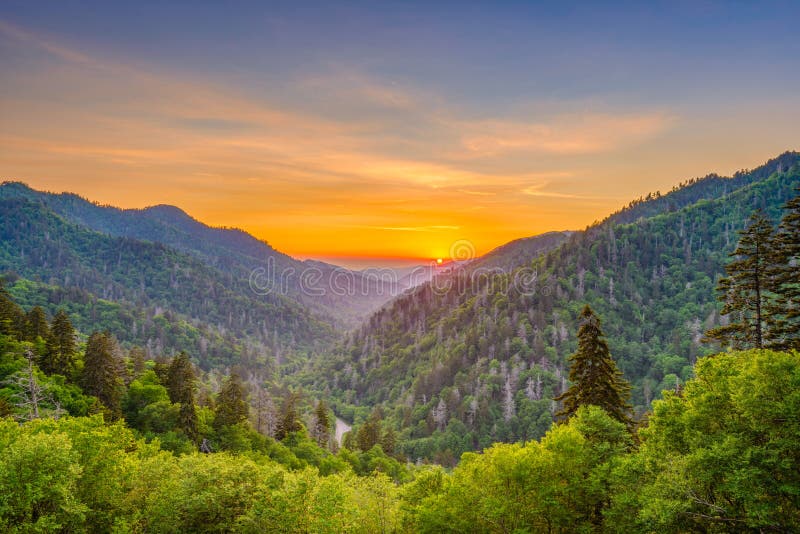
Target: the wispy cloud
pixel 539 191
pixel 30 38
pixel 566 134
pixel 377 157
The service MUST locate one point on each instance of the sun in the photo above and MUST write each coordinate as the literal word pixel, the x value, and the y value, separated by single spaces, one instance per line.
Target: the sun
pixel 439 261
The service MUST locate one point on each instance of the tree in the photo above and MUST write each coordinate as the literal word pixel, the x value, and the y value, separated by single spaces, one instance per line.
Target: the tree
pixel 232 406
pixel 265 418
pixel 39 478
pixel 36 324
pixel 30 393
pixel 595 378
pixel 181 386
pixel 59 356
pixel 370 432
pixel 287 422
pixel 722 456
pixel 785 270
pixel 322 425
pixel 745 290
pixel 101 373
pixel 138 360
pixel 12 318
pixel 389 441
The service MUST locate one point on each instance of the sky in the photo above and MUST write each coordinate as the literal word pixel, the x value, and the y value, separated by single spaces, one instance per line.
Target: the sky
pixel 381 133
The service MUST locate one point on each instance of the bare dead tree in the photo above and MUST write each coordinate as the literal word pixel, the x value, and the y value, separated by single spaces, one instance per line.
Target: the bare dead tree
pixel 30 395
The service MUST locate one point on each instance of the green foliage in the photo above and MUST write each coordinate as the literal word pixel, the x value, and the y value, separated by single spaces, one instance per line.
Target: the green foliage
pixel 59 357
pixel 36 326
pixel 322 425
pixel 596 381
pixel 83 475
pixel 147 293
pixel 724 454
pixel 785 309
pixel 38 482
pixel 553 486
pixel 232 408
pixel 369 434
pixel 12 318
pixel 453 372
pixel 492 352
pixel 288 421
pixel 745 291
pixel 101 376
pixel 181 386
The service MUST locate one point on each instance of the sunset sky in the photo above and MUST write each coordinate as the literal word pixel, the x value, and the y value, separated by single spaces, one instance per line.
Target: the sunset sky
pixel 374 132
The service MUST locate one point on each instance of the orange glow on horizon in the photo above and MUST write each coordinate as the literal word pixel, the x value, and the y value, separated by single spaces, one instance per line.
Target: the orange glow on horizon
pixel 378 171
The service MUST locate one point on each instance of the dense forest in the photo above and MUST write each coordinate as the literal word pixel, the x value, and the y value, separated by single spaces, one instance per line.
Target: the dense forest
pixel 229 252
pixel 481 362
pixel 96 440
pixel 640 376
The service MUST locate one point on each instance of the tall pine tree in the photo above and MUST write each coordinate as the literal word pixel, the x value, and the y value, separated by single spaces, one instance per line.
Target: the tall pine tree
pixel 36 324
pixel 322 425
pixel 101 373
pixel 745 292
pixel 369 434
pixel 785 272
pixel 232 407
pixel 12 318
pixel 59 356
pixel 595 378
pixel 181 386
pixel 288 421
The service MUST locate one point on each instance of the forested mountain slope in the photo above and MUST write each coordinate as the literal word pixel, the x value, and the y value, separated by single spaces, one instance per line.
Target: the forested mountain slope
pixel 707 188
pixel 461 368
pixel 518 252
pixel 229 250
pixel 148 293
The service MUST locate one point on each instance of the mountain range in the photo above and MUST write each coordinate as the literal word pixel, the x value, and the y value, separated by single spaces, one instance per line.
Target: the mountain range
pixel 461 364
pixel 455 359
pixel 156 277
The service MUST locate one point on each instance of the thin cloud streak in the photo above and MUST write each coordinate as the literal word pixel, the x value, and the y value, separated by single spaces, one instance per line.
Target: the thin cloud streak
pixel 295 177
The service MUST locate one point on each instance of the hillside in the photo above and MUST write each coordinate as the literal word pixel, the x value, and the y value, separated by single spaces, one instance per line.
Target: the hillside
pixel 149 294
pixel 227 250
pixel 518 252
pixel 460 369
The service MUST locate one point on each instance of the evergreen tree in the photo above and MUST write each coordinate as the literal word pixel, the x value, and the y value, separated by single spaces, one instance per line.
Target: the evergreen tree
pixel 322 425
pixel 369 434
pixel 389 441
pixel 36 324
pixel 745 292
pixel 181 386
pixel 232 406
pixel 786 277
pixel 59 356
pixel 101 373
pixel 288 421
pixel 138 359
pixel 595 378
pixel 12 318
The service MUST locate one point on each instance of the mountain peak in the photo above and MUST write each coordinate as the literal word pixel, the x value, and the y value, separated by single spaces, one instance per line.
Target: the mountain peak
pixel 167 212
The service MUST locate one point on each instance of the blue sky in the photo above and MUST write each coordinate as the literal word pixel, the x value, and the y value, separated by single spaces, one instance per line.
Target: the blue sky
pixel 391 129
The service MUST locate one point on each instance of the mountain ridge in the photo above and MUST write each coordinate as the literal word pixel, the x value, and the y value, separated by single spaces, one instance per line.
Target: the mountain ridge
pixel 488 362
pixel 230 250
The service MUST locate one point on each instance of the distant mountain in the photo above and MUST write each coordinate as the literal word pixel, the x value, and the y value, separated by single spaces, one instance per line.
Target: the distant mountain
pixel 149 293
pixel 229 250
pixel 520 251
pixel 692 191
pixel 459 366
